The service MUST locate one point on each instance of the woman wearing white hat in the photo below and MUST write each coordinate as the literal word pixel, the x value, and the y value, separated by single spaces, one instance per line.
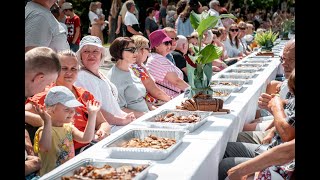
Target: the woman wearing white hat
pixel 91 54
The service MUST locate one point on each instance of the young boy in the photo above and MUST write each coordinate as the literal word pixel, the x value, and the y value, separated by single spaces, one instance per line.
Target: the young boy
pixel 54 140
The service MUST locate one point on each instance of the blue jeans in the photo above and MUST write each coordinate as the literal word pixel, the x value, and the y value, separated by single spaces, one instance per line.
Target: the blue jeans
pixel 74 47
pixel 32 176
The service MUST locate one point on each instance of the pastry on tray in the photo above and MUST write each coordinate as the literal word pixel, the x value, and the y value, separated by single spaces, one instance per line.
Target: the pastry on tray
pixel 203 102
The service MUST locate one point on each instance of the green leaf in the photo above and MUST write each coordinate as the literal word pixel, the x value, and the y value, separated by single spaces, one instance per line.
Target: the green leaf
pixel 195 49
pixel 227 16
pixel 210 53
pixel 207 23
pixel 194 19
pixel 193 58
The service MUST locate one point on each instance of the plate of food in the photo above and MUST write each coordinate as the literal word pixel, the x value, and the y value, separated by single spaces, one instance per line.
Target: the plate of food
pixel 90 168
pixel 234 84
pixel 178 119
pixel 145 143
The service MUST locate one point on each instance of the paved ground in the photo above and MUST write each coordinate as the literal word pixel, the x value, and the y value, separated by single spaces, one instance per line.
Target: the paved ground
pixel 107 63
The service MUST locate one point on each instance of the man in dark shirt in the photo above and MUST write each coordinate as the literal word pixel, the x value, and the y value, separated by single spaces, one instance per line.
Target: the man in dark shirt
pixel 178 55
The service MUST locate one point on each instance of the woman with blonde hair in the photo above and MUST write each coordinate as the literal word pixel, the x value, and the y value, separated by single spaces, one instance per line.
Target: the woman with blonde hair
pixel 95 22
pixel 155 95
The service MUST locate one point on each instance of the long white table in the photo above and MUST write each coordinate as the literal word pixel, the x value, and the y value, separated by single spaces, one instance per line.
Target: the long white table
pixel 201 151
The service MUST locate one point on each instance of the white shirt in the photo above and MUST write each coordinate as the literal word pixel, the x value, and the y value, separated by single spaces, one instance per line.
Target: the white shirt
pixel 130 19
pixel 232 50
pixel 213 12
pixel 92 17
pixel 43 29
pixel 102 89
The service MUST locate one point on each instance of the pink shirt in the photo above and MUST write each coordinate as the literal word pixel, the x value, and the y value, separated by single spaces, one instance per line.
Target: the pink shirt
pixel 158 66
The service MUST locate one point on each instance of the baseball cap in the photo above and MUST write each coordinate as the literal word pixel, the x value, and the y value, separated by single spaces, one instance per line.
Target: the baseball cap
pixel 66 5
pixel 157 37
pixel 61 94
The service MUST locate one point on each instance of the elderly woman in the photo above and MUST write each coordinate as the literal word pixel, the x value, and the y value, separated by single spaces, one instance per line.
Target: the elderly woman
pixel 167 76
pixel 154 95
pixel 91 54
pixel 131 91
pixel 67 76
pixel 232 43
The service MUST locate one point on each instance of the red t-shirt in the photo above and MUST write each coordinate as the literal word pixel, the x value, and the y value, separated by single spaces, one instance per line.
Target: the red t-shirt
pixel 71 24
pixel 81 113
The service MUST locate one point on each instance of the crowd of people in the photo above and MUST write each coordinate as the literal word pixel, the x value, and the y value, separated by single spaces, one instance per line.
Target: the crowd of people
pixel 70 104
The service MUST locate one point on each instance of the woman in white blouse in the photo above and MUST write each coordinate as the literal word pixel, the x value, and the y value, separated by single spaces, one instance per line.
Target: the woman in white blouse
pixel 91 54
pixel 232 43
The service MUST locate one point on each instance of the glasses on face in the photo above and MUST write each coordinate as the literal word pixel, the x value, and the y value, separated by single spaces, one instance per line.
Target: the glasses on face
pixel 281 59
pixel 175 39
pixel 131 49
pixel 146 48
pixel 234 30
pixel 242 29
pixel 167 43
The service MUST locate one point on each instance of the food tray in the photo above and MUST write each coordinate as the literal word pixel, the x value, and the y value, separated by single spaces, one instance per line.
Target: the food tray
pixel 237 84
pixel 257 60
pixel 151 122
pixel 222 90
pixel 258 66
pixel 115 151
pixel 69 171
pixel 236 76
pixel 242 70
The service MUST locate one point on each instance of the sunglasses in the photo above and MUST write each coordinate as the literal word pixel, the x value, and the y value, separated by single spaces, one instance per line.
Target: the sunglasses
pixel 167 43
pixel 234 30
pixel 242 29
pixel 131 49
pixel 176 39
pixel 146 48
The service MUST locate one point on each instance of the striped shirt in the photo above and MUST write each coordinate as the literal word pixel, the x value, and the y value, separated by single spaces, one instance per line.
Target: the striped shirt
pixel 158 66
pixel 43 29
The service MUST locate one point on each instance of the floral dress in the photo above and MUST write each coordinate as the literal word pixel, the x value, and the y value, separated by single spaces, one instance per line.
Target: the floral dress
pixel 141 73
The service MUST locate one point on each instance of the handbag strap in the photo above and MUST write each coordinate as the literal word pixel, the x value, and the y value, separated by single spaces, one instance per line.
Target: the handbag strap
pixel 169 88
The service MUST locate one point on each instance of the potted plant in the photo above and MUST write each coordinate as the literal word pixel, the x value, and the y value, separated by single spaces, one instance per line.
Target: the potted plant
pixel 286 27
pixel 199 76
pixel 265 40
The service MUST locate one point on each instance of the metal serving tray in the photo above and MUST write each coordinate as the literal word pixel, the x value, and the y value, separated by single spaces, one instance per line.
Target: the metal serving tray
pixel 116 151
pixel 237 84
pixel 221 90
pixel 241 70
pixel 258 66
pixel 236 76
pixel 69 171
pixel 151 122
pixel 257 60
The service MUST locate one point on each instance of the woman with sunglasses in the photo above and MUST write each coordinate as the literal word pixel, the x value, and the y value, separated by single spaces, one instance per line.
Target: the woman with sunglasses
pixel 155 95
pixel 167 76
pixel 232 43
pixel 131 91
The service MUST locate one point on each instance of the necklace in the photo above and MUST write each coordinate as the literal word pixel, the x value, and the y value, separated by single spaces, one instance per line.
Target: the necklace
pixel 105 79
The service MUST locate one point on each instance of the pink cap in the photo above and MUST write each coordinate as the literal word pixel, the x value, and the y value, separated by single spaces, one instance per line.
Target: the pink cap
pixel 157 37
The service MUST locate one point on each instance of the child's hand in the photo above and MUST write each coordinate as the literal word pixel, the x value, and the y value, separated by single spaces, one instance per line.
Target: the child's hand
pixel 93 106
pixel 41 110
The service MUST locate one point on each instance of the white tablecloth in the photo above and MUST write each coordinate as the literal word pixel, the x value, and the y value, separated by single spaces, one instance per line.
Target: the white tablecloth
pixel 201 151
